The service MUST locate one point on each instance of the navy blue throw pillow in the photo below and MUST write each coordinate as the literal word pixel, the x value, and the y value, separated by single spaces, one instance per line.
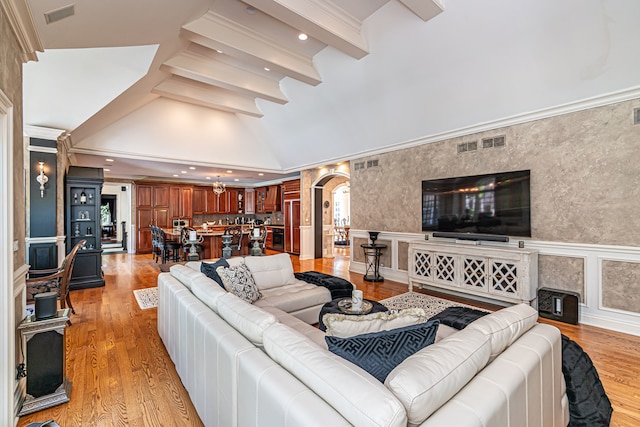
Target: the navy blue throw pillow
pixel 210 270
pixel 379 352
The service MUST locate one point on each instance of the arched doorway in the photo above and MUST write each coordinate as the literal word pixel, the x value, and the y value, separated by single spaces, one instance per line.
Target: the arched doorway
pixel 322 211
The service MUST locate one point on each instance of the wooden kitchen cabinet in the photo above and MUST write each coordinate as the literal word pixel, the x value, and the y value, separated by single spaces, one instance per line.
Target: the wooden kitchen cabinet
pixel 261 195
pixel 180 202
pixel 249 201
pixel 199 200
pixel 291 208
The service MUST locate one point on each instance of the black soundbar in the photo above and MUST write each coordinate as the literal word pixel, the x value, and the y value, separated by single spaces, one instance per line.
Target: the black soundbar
pixel 471 236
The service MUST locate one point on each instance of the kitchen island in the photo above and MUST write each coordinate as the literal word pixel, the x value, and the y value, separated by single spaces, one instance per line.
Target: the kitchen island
pixel 212 240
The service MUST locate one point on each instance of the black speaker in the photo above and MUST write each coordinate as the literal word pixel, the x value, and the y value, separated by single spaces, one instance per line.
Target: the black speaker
pixel 46 305
pixel 559 305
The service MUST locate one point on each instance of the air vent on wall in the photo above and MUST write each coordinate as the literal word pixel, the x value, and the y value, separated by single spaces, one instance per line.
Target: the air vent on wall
pixel 498 141
pixel 636 116
pixel 372 163
pixel 463 147
pixel 59 14
pixel 357 166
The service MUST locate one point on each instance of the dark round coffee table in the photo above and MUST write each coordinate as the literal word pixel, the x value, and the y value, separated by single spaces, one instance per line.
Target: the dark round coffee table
pixel 332 307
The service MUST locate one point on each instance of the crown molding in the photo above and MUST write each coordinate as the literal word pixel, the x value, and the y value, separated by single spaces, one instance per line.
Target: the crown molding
pixel 19 16
pixel 43 132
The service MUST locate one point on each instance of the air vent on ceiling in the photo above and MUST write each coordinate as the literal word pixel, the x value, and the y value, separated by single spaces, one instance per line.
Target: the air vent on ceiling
pixel 59 14
pixel 372 163
pixel 463 147
pixel 498 141
pixel 636 116
pixel 358 165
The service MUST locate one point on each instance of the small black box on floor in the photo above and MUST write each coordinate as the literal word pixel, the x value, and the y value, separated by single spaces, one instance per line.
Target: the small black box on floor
pixel 46 305
pixel 559 305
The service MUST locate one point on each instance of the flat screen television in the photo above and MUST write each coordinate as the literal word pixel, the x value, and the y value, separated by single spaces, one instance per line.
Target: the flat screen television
pixel 491 204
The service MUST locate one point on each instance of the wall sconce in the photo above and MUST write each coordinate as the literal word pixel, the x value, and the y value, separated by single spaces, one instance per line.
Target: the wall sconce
pixel 42 179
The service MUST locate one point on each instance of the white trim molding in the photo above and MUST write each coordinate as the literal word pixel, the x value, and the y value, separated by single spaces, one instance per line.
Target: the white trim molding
pixel 7 274
pixel 19 15
pixel 592 312
pixel 51 134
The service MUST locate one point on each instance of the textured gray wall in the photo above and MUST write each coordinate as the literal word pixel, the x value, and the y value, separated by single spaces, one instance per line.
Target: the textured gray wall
pixel 621 285
pixel 564 273
pixel 584 176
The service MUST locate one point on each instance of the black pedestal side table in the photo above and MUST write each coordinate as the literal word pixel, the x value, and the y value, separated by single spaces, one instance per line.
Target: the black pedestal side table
pixel 44 344
pixel 372 261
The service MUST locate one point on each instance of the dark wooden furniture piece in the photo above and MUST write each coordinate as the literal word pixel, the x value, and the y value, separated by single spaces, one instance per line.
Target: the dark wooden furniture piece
pixel 291 208
pixel 45 362
pixel 57 279
pixel 82 218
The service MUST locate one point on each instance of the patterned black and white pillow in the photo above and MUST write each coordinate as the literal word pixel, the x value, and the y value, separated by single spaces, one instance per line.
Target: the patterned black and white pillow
pixel 239 281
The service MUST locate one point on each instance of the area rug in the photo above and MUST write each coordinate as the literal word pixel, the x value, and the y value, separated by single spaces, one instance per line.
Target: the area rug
pixel 147 298
pixel 431 305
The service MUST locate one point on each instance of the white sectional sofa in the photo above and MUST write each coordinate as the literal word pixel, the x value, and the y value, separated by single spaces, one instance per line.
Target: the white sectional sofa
pixel 257 365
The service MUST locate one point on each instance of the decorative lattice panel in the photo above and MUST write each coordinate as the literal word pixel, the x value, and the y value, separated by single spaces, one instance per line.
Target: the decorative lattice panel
pixel 423 264
pixel 473 273
pixel 445 268
pixel 504 277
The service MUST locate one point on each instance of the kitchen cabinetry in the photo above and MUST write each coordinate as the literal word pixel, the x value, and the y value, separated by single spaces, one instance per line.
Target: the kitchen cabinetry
pixel 152 208
pixel 249 201
pixel 180 202
pixel 291 196
pixel 501 273
pixel 82 199
pixel 200 200
pixel 273 200
pixel 261 195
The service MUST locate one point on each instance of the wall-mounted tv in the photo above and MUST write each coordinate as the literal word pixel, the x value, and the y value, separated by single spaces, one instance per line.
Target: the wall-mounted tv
pixel 497 203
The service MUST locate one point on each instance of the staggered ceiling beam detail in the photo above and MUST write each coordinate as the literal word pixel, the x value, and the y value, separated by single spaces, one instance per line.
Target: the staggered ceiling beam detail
pixel 321 20
pixel 425 9
pixel 209 71
pixel 219 33
pixel 207 96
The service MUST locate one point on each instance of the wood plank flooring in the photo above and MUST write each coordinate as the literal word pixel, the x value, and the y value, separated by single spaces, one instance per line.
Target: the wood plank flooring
pixel 123 376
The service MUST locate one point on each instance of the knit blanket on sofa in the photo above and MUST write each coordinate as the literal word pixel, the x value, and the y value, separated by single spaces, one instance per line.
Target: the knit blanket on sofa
pixel 339 288
pixel 589 405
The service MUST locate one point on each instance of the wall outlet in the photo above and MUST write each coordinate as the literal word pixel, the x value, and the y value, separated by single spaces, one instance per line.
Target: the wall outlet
pixel 16 246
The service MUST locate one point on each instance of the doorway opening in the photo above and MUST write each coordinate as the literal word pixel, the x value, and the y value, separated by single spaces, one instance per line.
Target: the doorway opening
pixel 323 209
pixel 109 219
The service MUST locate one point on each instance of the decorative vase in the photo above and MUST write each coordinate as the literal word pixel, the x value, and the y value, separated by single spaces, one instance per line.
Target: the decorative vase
pixel 373 235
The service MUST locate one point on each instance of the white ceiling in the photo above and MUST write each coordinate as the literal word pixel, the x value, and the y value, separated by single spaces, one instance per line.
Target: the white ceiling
pixel 142 83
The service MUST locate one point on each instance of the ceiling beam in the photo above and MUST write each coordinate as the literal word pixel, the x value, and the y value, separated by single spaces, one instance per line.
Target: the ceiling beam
pixel 211 97
pixel 323 21
pixel 219 33
pixel 211 72
pixel 425 9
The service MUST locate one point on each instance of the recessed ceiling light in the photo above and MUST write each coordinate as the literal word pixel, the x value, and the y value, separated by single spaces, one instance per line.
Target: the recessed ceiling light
pixel 267 69
pixel 229 171
pixel 176 175
pixel 302 36
pixel 108 160
pixel 192 168
pixel 218 50
pixel 236 180
pixel 260 174
pixel 183 171
pixel 107 170
pixel 208 177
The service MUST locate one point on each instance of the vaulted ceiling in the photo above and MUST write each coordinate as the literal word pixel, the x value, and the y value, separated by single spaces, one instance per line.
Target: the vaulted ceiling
pixel 159 86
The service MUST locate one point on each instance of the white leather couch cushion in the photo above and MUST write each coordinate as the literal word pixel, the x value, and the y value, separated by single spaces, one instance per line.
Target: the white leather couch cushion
pixel 271 271
pixel 294 297
pixel 356 394
pixel 311 332
pixel 184 274
pixel 505 326
pixel 207 291
pixel 250 321
pixel 345 326
pixel 429 378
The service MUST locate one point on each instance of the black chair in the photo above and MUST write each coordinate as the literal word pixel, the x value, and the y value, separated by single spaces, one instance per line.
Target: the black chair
pixel 236 238
pixel 167 248
pixel 186 247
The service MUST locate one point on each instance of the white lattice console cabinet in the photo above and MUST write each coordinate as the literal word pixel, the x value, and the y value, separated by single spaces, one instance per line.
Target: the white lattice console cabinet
pixel 500 273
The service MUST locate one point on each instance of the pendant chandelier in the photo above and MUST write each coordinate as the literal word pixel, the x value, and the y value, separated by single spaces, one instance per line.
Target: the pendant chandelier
pixel 219 187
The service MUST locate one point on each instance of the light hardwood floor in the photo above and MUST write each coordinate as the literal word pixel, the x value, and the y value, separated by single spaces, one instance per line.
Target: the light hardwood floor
pixel 122 375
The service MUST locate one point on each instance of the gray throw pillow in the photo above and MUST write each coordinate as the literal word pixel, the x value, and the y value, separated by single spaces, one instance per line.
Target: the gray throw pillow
pixel 239 281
